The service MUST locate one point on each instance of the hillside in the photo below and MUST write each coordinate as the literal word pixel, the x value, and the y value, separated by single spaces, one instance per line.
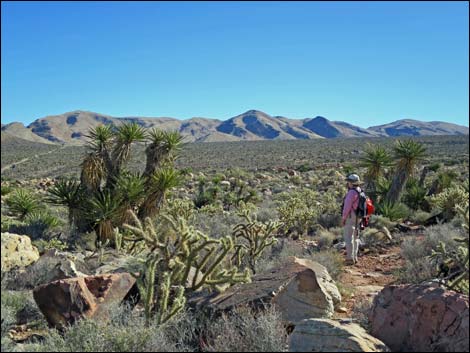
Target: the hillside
pixel 409 127
pixel 71 128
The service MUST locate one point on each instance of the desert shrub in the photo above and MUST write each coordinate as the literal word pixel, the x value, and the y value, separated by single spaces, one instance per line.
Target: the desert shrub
pixel 420 217
pixel 216 225
pixel 393 211
pixel 325 239
pixel 8 317
pixel 22 202
pixel 453 265
pixel 416 251
pixel 124 332
pixel 279 254
pixel 373 237
pixel 43 245
pixel 244 330
pixel 331 259
pixel 36 224
pixel 360 312
pixel 448 201
pixel 10 223
pixel 6 189
pixel 379 221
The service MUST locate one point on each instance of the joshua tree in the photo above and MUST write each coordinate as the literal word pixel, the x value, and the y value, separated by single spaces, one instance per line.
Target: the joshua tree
pixel 407 154
pixel 107 192
pixel 376 159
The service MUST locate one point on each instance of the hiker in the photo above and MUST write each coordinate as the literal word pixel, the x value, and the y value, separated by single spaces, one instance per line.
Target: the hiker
pixel 350 220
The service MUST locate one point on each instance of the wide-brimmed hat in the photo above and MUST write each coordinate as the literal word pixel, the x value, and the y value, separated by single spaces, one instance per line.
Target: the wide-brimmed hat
pixel 354 179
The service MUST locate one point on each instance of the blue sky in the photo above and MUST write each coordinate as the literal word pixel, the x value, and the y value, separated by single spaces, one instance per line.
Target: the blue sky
pixel 364 63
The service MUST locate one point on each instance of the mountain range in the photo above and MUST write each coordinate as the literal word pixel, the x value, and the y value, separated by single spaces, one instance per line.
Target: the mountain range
pixel 72 127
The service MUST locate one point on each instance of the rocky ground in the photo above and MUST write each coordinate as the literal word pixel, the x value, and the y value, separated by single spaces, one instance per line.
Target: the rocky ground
pixel 365 279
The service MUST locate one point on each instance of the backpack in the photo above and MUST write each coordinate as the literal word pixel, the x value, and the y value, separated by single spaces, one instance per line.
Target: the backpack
pixel 365 208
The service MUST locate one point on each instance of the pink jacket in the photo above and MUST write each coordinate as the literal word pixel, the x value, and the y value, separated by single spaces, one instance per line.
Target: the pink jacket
pixel 351 201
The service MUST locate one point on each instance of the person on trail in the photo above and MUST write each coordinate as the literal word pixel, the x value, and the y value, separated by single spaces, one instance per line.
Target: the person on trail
pixel 350 221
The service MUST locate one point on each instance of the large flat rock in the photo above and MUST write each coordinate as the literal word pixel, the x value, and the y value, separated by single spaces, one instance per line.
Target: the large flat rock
pixel 299 289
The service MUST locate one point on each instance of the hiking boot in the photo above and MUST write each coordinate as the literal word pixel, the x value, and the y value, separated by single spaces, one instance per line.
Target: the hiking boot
pixel 349 262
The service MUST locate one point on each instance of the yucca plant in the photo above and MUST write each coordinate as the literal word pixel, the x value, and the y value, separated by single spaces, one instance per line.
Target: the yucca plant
pixel 102 211
pixel 125 135
pixel 393 211
pixel 407 155
pixel 160 183
pixel 68 193
pixel 106 191
pixel 22 202
pixel 415 194
pixel 376 159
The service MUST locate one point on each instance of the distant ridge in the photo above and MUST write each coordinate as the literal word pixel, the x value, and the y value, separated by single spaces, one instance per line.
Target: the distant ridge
pixel 253 125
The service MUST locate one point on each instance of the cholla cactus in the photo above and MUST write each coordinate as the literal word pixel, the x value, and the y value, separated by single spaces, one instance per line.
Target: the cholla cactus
pixel 455 265
pixel 254 238
pixel 299 212
pixel 450 200
pixel 187 261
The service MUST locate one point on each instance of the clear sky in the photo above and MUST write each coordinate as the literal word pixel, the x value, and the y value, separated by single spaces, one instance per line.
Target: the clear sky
pixel 365 63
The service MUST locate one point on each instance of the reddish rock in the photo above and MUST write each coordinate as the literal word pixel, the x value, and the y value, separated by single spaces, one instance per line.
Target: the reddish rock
pixel 64 301
pixel 421 318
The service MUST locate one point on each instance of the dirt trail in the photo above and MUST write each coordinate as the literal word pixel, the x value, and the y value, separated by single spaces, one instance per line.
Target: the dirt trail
pixel 369 276
pixel 8 166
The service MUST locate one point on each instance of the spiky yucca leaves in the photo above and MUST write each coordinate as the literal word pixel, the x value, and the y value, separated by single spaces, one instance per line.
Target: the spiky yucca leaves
pixel 99 143
pixel 102 211
pixel 93 171
pixel 22 203
pixel 68 193
pixel 376 159
pixel 407 155
pixel 164 146
pixel 414 196
pixel 254 238
pixel 454 265
pixel 125 135
pixel 130 188
pixel 160 183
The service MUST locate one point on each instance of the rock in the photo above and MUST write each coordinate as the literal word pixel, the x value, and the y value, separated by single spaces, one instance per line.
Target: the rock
pixel 64 301
pixel 17 251
pixel 225 183
pixel 421 318
pixel 54 265
pixel 323 335
pixel 299 289
pixel 342 310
